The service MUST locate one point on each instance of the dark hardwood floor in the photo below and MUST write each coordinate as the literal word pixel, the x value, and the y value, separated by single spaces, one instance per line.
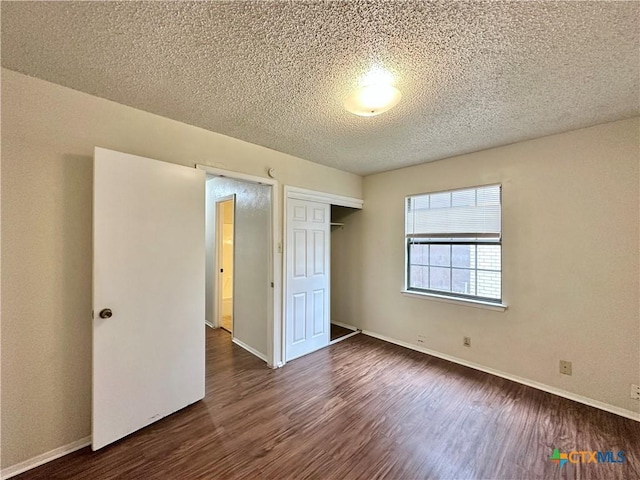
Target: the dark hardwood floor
pixel 337 331
pixel 360 409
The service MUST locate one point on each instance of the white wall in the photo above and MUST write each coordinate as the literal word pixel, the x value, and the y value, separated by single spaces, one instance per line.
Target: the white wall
pixel 48 136
pixel 570 261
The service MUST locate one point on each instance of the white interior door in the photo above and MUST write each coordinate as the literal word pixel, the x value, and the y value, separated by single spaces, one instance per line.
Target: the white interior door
pixel 307 298
pixel 225 212
pixel 148 288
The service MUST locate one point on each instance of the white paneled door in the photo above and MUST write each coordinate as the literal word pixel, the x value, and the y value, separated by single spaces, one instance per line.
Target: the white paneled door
pixel 148 292
pixel 307 297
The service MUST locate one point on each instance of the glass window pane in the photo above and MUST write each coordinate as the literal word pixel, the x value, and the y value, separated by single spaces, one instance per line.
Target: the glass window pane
pixel 489 284
pixel 463 281
pixel 440 255
pixel 463 256
pixel 419 277
pixel 489 257
pixel 419 254
pixel 440 279
pixel 473 270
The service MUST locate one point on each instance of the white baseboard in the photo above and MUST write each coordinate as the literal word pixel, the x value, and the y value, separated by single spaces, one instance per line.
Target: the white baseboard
pixel 44 458
pixel 344 325
pixel 209 324
pixel 249 349
pixel 530 383
pixel 356 331
pixel 344 337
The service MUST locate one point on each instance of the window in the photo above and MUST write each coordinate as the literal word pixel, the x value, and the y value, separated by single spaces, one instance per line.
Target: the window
pixel 454 243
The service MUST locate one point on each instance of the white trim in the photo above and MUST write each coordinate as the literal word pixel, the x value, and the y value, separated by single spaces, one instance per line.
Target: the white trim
pixel 219 172
pixel 43 458
pixel 249 349
pixel 275 329
pixel 345 325
pixel 321 197
pixel 209 324
pixel 275 323
pixel 465 302
pixel 623 412
pixel 285 284
pixel 344 337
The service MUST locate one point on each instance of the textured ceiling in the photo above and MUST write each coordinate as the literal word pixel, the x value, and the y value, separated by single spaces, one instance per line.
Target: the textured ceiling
pixel 275 73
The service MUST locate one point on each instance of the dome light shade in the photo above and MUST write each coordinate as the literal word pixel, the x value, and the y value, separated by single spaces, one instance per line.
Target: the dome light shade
pixel 372 99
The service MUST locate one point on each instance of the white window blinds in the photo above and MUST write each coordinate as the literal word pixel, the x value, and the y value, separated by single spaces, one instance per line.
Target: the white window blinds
pixel 457 215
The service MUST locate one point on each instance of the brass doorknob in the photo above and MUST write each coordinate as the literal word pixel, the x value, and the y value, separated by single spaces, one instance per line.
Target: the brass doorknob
pixel 106 313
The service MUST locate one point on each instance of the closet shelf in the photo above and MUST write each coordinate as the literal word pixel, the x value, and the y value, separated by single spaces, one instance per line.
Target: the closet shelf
pixel 335 224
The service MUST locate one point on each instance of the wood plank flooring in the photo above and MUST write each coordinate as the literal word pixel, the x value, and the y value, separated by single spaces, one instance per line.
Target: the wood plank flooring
pixel 360 409
pixel 337 331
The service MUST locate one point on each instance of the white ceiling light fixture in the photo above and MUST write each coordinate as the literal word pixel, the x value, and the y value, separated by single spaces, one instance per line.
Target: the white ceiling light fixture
pixel 375 95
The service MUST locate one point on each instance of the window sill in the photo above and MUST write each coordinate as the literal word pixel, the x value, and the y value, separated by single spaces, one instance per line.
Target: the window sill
pixel 465 302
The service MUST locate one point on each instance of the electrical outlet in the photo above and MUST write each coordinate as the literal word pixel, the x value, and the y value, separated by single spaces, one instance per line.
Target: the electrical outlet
pixel 421 339
pixel 635 392
pixel 565 367
pixel 466 341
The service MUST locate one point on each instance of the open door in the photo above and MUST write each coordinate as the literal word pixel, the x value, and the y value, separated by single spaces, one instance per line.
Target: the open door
pixel 148 289
pixel 225 237
pixel 307 292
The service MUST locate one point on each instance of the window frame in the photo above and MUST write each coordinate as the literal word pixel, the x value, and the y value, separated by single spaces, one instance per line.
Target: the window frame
pixel 443 294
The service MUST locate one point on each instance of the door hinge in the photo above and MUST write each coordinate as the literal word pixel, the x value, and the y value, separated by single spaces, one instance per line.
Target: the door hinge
pixel 271 284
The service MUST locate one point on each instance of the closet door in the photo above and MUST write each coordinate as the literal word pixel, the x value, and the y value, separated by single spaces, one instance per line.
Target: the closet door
pixel 307 269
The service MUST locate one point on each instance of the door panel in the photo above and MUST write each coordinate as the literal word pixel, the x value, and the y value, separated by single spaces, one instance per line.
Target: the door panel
pixel 299 317
pixel 148 357
pixel 299 253
pixel 319 260
pixel 318 312
pixel 307 267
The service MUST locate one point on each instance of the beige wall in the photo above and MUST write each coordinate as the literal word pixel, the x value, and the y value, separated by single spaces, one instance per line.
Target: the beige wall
pixel 570 261
pixel 48 136
pixel 252 291
pixel 345 274
pixel 570 214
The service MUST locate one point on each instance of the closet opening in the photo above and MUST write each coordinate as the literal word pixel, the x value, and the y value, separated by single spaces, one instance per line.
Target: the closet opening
pixel 342 267
pixel 321 266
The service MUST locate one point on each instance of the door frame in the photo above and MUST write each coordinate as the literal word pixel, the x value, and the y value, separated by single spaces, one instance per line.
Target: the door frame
pixel 217 286
pixel 299 193
pixel 274 318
